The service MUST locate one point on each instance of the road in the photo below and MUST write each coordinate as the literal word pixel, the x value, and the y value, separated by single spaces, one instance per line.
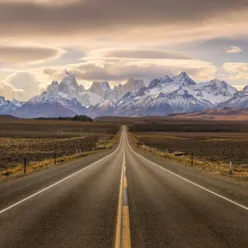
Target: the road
pixel 118 200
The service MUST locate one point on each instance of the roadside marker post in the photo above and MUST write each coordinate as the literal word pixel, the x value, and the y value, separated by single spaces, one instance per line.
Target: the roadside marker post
pixel 192 159
pixel 25 166
pixel 230 168
pixel 55 158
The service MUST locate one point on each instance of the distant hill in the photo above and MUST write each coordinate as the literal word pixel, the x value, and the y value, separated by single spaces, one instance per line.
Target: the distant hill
pixel 215 114
pixel 7 117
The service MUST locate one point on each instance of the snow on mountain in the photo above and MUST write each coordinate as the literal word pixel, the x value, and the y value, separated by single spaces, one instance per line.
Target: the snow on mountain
pixel 70 88
pixel 167 85
pixel 245 89
pixel 88 99
pixel 239 100
pixel 8 107
pixel 146 102
pixel 132 85
pixel 163 96
pixel 177 95
pixel 183 80
pixel 53 87
pixel 160 82
pixel 102 89
pixel 50 105
pixel 183 101
pixel 214 91
pixel 69 85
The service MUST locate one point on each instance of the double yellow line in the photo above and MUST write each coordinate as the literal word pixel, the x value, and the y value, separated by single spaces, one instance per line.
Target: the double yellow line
pixel 123 236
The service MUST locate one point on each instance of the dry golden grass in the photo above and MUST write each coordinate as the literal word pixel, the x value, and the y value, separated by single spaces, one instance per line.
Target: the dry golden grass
pixel 212 147
pixel 18 169
pixel 218 167
pixel 40 140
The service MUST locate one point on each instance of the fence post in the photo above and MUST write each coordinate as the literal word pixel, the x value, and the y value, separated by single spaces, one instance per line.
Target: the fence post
pixel 230 168
pixel 55 158
pixel 192 159
pixel 25 166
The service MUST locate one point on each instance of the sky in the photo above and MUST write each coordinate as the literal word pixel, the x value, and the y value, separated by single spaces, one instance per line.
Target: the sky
pixel 114 40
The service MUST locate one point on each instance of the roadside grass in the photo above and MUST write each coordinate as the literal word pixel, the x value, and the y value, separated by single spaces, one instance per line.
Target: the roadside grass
pixel 239 172
pixel 18 170
pixel 40 141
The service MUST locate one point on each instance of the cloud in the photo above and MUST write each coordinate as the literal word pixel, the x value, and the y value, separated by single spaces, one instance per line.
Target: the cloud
pixel 28 54
pixel 137 54
pixel 41 2
pixel 9 92
pixel 233 49
pixel 115 70
pixel 236 70
pixel 26 82
pixel 118 20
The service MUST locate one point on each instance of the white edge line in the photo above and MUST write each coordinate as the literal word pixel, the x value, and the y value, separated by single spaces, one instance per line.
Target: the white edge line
pixel 58 182
pixel 187 180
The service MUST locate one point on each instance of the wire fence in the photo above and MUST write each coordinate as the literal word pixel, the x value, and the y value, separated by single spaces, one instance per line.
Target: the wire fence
pixel 50 151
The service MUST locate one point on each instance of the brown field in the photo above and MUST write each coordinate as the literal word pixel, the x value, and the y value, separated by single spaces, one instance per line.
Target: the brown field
pixel 39 140
pixel 211 150
pixel 215 114
pixel 212 147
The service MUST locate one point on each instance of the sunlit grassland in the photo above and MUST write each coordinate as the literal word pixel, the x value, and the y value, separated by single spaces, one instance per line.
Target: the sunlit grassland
pixel 211 151
pixel 40 141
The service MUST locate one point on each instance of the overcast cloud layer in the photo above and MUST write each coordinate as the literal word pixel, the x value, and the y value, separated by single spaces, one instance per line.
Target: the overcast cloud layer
pixel 120 39
pixel 30 16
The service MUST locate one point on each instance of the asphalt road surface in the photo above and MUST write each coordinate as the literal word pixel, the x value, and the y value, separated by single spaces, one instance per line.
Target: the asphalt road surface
pixel 81 204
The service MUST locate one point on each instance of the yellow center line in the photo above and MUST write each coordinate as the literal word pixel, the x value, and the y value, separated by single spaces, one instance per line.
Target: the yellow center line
pixel 126 240
pixel 119 213
pixel 125 182
pixel 123 237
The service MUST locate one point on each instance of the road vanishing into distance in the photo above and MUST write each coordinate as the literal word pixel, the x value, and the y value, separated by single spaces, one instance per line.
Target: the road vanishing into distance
pixel 120 199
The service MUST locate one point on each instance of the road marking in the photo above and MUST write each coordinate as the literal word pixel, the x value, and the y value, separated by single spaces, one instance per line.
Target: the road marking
pixel 189 181
pixel 119 220
pixel 123 236
pixel 125 182
pixel 126 241
pixel 58 182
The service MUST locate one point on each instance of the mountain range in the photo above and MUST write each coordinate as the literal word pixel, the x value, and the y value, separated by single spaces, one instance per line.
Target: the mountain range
pixel 162 96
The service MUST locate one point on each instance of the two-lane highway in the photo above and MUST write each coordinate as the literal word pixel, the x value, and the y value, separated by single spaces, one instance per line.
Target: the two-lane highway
pixel 77 211
pixel 122 200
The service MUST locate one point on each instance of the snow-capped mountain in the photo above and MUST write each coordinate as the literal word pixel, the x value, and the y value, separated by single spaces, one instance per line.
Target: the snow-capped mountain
pixel 70 88
pixel 102 89
pixel 53 88
pixel 69 85
pixel 162 96
pixel 167 85
pixel 183 80
pixel 214 91
pixel 175 95
pixel 151 102
pixel 245 89
pixel 239 100
pixel 88 99
pixel 132 85
pixel 8 107
pixel 50 105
